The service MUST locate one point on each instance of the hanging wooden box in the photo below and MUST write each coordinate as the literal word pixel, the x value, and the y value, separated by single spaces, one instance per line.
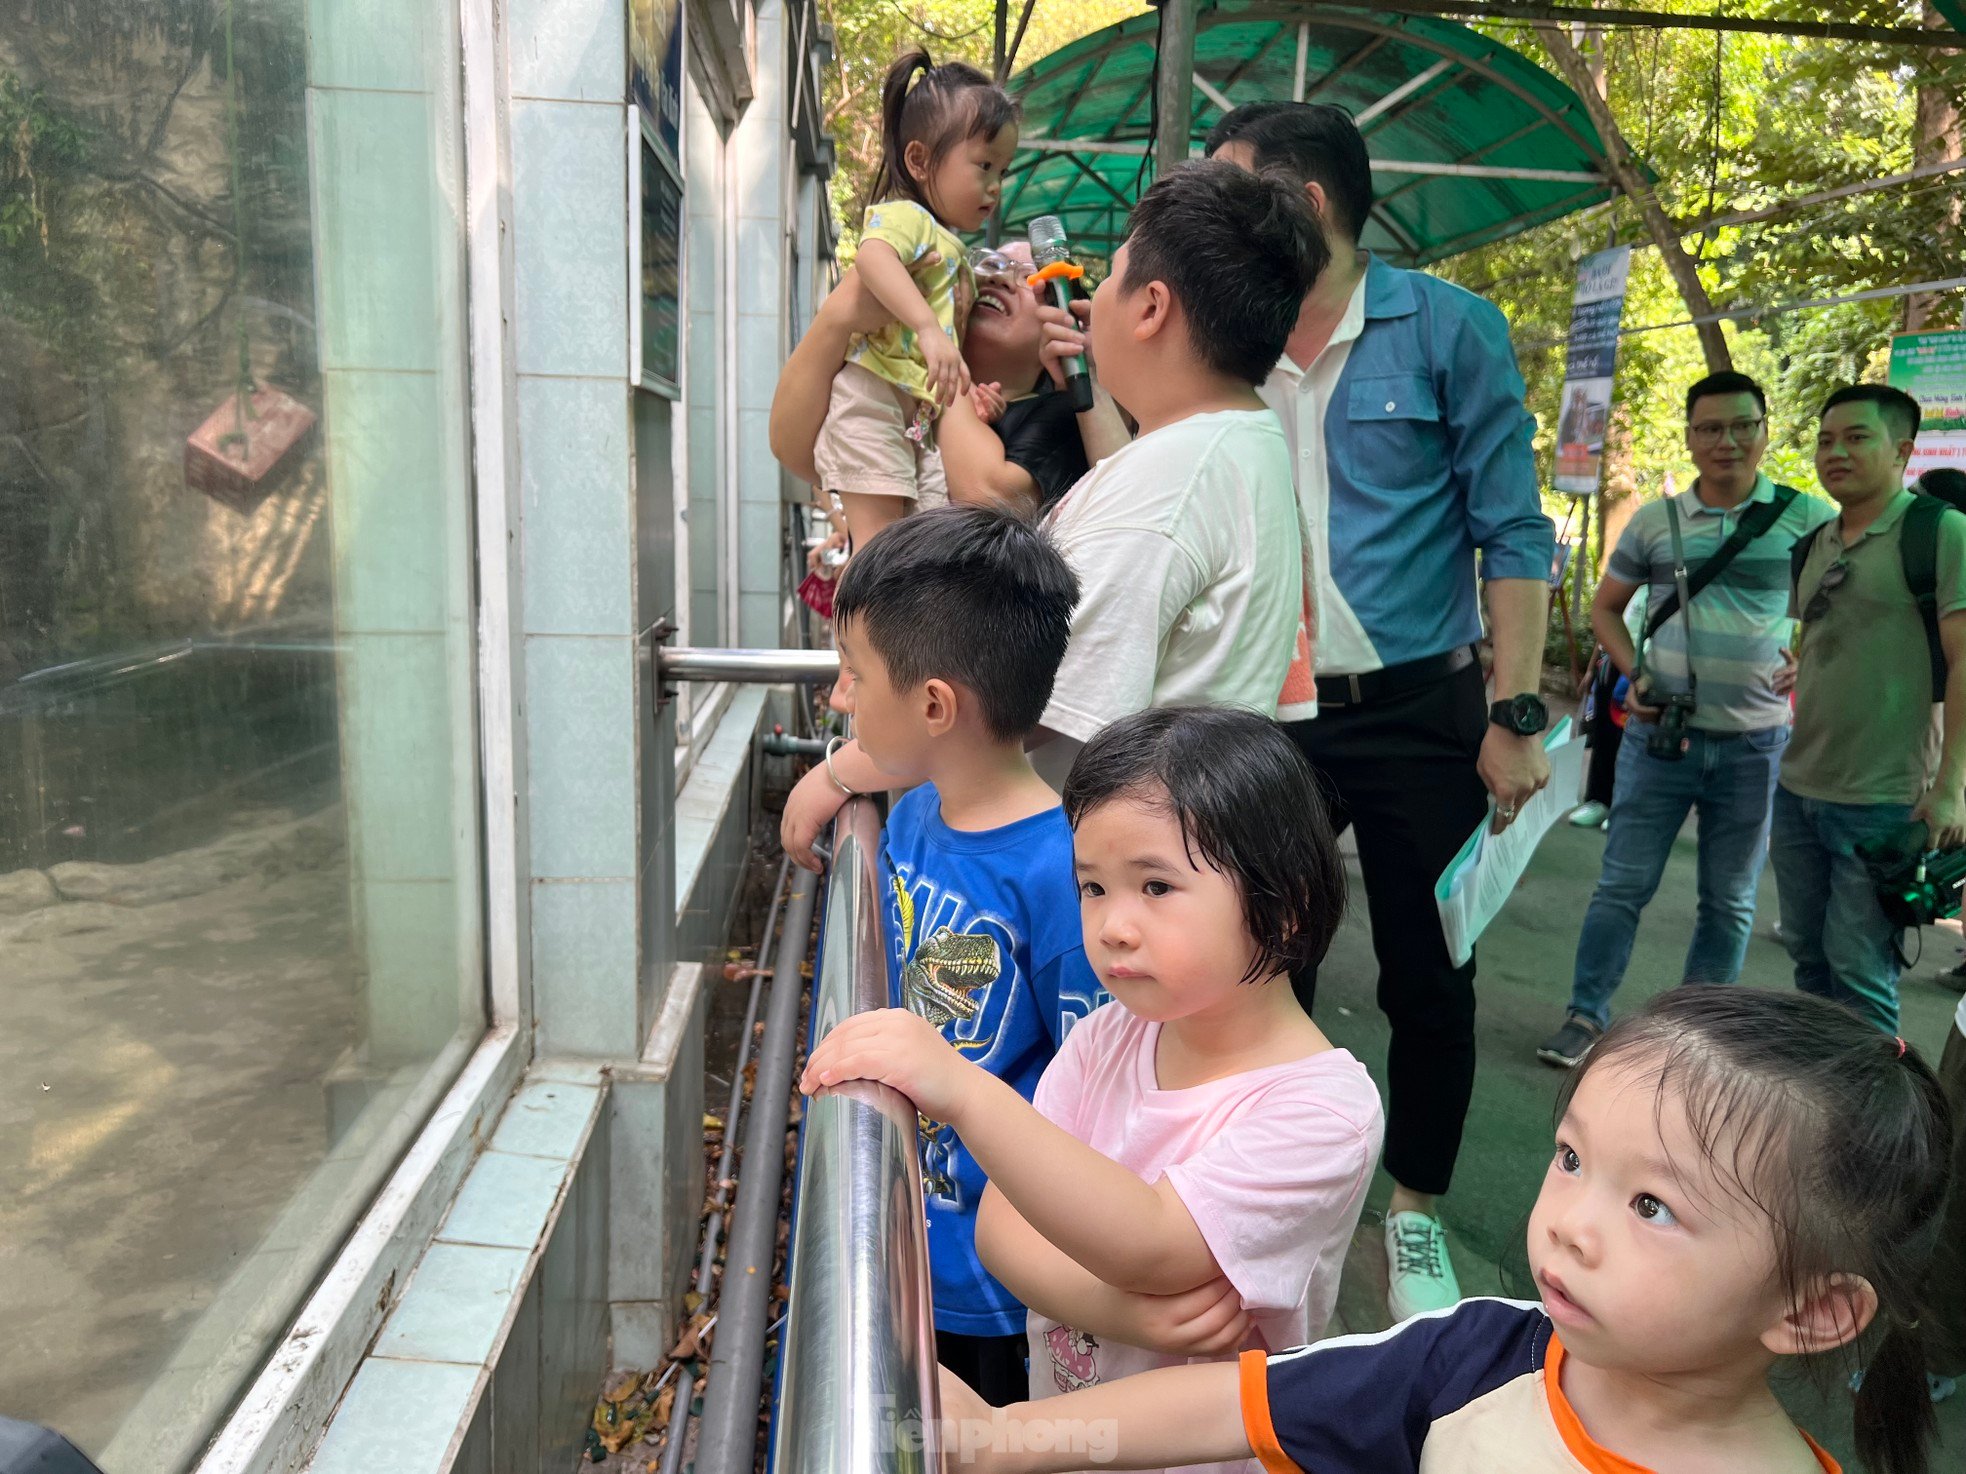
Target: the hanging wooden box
pixel 242 463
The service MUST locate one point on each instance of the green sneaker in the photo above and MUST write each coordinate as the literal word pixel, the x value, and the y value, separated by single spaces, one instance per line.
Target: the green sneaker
pixel 1419 1274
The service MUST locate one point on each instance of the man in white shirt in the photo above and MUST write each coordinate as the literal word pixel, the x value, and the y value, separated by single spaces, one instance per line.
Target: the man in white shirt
pixel 1185 541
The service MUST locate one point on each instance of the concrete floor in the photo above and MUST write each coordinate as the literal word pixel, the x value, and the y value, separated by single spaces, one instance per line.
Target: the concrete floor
pixel 1524 964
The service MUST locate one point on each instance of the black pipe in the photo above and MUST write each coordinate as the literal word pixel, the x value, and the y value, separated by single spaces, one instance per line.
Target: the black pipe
pixel 679 1418
pixel 777 744
pixel 727 1439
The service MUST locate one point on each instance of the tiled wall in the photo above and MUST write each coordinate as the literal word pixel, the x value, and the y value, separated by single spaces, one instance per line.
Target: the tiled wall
pixel 487 1365
pixel 761 176
pixel 569 131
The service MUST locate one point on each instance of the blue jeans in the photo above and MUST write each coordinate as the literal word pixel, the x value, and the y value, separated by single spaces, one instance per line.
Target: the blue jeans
pixel 1728 780
pixel 1837 935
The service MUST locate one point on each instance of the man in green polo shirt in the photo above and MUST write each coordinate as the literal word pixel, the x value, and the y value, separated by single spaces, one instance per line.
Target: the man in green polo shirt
pixel 1865 758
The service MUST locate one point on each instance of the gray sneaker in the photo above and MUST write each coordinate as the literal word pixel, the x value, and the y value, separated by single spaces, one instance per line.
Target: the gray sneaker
pixel 1567 1047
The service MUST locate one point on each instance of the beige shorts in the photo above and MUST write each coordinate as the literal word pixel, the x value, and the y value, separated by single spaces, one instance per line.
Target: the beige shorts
pixel 864 447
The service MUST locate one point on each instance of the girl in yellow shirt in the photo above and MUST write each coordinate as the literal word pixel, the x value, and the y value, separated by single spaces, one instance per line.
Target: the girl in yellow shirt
pixel 947 135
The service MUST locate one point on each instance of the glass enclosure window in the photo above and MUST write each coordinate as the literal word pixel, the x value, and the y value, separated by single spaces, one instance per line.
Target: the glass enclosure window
pixel 240 929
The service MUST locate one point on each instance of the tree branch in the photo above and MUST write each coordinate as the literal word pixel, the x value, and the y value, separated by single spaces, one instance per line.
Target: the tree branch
pixel 1630 178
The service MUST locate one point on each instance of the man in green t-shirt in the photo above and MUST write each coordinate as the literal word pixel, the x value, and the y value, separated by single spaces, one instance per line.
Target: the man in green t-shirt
pixel 1866 758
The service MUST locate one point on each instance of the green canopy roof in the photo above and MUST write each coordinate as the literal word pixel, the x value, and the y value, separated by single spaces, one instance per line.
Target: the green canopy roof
pixel 1470 141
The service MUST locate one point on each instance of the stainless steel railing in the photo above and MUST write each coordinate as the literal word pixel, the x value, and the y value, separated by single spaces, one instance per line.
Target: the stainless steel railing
pixel 696 663
pixel 858 1389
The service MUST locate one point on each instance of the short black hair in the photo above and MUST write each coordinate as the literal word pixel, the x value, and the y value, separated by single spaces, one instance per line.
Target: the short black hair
pixel 1237 250
pixel 1899 411
pixel 973 595
pixel 1247 800
pixel 1725 382
pixel 1312 143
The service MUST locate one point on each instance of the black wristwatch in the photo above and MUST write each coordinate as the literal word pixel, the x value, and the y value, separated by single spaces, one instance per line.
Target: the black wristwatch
pixel 1524 715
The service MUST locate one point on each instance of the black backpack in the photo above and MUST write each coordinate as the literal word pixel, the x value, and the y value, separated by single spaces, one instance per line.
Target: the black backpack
pixel 1918 555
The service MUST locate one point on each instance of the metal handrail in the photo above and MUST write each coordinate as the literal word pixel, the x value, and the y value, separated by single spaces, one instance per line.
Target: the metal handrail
pixel 761 667
pixel 858 1385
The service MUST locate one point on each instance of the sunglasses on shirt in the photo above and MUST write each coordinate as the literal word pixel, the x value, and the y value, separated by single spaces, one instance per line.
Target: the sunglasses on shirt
pixel 1834 577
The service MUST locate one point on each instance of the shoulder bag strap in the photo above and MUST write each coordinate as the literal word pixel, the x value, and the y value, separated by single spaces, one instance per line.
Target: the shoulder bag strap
pixel 1918 554
pixel 1754 522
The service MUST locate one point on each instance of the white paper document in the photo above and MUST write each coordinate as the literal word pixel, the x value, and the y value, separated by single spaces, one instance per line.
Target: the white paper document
pixel 1478 881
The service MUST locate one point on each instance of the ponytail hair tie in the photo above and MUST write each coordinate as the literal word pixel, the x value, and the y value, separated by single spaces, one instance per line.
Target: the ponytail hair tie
pixel 1898 1039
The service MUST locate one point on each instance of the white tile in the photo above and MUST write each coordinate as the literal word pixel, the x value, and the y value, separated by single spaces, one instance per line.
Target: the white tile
pixel 397 1415
pixel 580 718
pixel 584 961
pixel 456 1301
pixel 377 45
pixel 574 50
pixel 574 478
pixel 546 1118
pixel 570 247
pixel 396 487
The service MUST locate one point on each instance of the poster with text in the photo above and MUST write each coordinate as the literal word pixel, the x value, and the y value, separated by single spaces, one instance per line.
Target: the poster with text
pixel 655 68
pixel 1931 368
pixel 1596 312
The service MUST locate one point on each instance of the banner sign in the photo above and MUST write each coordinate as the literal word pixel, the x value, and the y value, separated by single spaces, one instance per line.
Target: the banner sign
pixel 1596 309
pixel 655 68
pixel 1931 368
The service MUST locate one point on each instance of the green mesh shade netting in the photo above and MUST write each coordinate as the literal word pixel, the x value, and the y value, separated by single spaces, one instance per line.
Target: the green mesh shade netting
pixel 1428 93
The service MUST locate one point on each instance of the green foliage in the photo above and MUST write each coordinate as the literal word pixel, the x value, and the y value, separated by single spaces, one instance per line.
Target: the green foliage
pixel 1734 123
pixel 870 34
pixel 38 148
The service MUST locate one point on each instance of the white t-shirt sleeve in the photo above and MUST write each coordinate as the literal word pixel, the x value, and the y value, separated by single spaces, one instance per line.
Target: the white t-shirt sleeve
pixel 1134 582
pixel 1271 1193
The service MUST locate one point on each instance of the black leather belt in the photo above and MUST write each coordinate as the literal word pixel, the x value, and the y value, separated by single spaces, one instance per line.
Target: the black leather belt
pixel 1393 680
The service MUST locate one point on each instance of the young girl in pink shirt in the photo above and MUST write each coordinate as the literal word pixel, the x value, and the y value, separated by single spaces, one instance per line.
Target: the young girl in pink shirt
pixel 1188 1179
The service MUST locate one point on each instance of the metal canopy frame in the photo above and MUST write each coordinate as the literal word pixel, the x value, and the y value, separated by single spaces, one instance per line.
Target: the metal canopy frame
pixel 1086 171
pixel 1471 141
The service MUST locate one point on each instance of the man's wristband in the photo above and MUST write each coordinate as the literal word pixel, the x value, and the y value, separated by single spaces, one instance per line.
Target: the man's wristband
pixel 833 746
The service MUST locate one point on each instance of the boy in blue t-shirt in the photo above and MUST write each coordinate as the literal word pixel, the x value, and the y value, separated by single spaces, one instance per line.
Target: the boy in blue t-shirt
pixel 951 625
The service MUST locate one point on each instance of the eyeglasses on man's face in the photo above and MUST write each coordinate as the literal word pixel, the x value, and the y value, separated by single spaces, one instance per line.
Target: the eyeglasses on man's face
pixel 986 261
pixel 1712 432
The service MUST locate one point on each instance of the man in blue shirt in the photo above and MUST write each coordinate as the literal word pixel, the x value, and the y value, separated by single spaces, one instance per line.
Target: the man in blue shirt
pixel 1401 399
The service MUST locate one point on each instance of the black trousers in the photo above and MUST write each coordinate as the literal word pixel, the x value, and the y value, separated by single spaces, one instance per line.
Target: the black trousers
pixel 995 1367
pixel 1401 771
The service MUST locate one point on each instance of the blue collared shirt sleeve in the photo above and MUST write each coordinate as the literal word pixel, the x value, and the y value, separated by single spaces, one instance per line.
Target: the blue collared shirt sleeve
pixel 1491 433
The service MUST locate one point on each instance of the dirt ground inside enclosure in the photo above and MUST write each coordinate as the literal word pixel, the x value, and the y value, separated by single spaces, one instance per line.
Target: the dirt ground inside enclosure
pixel 161 1067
